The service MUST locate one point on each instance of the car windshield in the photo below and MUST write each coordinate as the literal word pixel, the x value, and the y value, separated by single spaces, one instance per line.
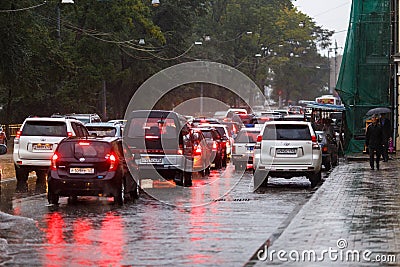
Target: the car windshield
pixel 287 132
pixel 44 128
pixel 246 137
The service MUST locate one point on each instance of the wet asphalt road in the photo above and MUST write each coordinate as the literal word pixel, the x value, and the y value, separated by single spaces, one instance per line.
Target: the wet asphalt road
pixel 219 221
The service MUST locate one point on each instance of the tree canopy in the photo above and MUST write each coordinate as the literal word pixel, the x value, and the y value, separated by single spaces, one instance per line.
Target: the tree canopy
pixel 62 58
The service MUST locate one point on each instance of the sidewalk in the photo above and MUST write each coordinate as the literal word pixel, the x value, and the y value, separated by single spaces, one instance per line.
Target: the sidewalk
pixel 354 216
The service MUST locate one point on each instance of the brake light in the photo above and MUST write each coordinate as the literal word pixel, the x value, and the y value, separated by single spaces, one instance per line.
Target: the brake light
pixel 325 149
pixel 112 159
pixel 18 135
pixel 315 145
pixel 69 134
pixel 84 143
pixel 197 151
pixel 54 159
pixel 259 138
pixel 215 146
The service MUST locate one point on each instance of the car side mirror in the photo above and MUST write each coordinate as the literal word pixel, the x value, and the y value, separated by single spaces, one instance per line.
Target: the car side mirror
pixel 319 138
pixel 3 149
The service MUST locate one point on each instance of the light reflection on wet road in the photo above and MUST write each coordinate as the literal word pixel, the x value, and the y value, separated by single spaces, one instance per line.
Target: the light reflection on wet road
pixel 93 232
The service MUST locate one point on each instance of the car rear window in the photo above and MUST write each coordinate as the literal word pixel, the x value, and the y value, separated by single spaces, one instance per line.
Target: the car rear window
pixel 153 127
pixel 207 134
pixel 287 132
pixel 84 149
pixel 246 137
pixel 102 131
pixel 44 128
pixel 221 131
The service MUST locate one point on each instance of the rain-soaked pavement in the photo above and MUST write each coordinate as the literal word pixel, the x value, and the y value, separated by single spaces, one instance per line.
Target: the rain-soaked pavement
pixel 353 219
pixel 219 221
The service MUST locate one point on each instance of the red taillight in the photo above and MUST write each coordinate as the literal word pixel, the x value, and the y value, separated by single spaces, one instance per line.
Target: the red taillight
pixel 69 134
pixel 315 145
pixel 112 159
pixel 197 151
pixel 215 146
pixel 18 135
pixel 54 159
pixel 259 138
pixel 325 149
pixel 82 143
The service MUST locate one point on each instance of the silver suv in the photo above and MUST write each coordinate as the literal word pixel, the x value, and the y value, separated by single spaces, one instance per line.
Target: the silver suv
pixel 287 149
pixel 36 142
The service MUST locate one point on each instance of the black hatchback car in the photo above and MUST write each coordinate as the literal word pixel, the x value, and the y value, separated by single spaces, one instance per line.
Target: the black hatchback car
pixel 90 166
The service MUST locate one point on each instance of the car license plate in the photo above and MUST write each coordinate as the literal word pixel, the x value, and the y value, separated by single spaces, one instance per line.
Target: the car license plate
pixel 42 147
pixel 251 148
pixel 81 170
pixel 148 160
pixel 286 151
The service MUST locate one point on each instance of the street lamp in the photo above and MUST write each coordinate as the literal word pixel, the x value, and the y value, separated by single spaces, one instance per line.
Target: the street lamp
pixel 59 16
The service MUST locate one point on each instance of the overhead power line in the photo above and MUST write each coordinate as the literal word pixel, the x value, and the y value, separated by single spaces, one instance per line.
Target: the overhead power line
pixel 22 9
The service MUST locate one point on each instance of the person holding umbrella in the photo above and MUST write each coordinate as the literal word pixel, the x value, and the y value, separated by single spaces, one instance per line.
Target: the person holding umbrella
pixel 386 131
pixel 374 141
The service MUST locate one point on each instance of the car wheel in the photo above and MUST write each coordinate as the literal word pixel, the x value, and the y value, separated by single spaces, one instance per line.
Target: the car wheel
pixel 208 170
pixel 41 176
pixel 187 179
pixel 218 163
pixel 224 161
pixel 72 200
pixel 21 174
pixel 315 178
pixel 327 163
pixel 335 160
pixel 260 179
pixel 119 197
pixel 52 198
pixel 135 193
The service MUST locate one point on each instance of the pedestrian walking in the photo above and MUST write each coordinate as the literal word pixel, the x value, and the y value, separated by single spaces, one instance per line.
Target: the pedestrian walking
pixel 386 132
pixel 374 141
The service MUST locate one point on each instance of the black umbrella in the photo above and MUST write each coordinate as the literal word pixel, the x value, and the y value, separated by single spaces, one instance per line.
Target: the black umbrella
pixel 379 110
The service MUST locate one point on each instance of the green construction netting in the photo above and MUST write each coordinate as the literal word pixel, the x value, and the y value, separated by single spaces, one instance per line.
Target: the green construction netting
pixel 365 73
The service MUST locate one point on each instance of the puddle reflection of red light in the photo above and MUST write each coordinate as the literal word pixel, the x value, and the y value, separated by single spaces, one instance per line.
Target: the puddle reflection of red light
pixel 82 229
pixel 87 245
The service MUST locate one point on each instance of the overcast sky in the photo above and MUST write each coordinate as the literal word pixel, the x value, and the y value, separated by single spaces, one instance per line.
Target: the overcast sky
pixel 331 15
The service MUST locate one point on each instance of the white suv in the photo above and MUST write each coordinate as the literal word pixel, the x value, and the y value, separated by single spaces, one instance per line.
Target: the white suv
pixel 36 142
pixel 287 149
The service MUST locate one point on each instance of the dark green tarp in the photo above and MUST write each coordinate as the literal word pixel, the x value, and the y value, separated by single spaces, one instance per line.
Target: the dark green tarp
pixel 365 74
